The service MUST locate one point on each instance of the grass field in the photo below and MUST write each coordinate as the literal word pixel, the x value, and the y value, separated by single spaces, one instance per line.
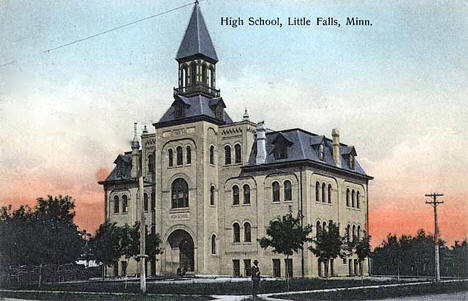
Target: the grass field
pixel 189 288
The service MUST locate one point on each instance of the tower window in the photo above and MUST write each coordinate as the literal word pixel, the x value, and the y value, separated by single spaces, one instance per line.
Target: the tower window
pixel 213 244
pixel 235 195
pixel 236 232
pixel 276 192
pixel 124 204
pixel 193 71
pixel 116 204
pixel 212 154
pixel 150 163
pixel 212 195
pixel 204 74
pixel 238 153
pixel 287 191
pixel 347 197
pixel 317 191
pixel 170 157
pixel 180 193
pixel 247 232
pixel 329 193
pixel 358 201
pixel 246 194
pixel 189 154
pixel 352 198
pixel 180 159
pixel 145 202
pixel 323 192
pixel 227 155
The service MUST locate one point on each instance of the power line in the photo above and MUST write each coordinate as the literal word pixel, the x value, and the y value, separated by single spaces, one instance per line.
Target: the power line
pixel 434 202
pixel 105 32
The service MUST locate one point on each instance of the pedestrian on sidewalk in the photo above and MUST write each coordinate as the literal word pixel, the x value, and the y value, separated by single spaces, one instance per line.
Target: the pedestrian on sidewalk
pixel 255 272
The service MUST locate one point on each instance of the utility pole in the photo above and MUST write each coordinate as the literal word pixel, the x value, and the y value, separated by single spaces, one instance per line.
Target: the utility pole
pixel 434 202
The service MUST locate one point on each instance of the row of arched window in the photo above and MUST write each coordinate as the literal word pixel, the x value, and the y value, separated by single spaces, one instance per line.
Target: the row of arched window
pixel 319 226
pixel 179 156
pixel 323 192
pixel 228 155
pixel 117 204
pixel 247 232
pixel 287 191
pixel 146 202
pixel 207 74
pixel 356 233
pixel 353 198
pixel 245 194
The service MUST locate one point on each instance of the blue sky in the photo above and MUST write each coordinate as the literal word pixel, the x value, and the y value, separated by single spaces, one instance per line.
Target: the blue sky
pixel 397 90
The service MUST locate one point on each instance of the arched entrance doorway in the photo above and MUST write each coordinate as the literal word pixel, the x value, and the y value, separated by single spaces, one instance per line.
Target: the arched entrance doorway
pixel 180 252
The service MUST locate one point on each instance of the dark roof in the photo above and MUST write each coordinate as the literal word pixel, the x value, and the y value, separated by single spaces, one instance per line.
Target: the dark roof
pixel 304 146
pixel 197 105
pixel 122 170
pixel 197 40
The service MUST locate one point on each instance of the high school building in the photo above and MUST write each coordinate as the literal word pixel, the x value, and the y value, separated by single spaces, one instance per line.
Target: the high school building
pixel 212 184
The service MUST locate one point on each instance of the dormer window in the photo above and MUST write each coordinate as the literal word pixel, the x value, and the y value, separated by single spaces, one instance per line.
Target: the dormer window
pixel 281 151
pixel 351 162
pixel 321 152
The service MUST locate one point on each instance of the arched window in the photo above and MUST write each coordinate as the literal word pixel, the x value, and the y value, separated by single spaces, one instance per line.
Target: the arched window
pixel 153 201
pixel 180 159
pixel 189 154
pixel 319 227
pixel 212 195
pixel 236 232
pixel 235 195
pixel 116 204
pixel 212 154
pixel 287 190
pixel 204 74
pixel 247 232
pixel 213 244
pixel 347 197
pixel 329 193
pixel 276 192
pixel 358 201
pixel 151 163
pixel 354 233
pixel 359 233
pixel 227 154
pixel 145 202
pixel 124 204
pixel 183 76
pixel 323 192
pixel 193 71
pixel 347 232
pixel 180 193
pixel 170 157
pixel 210 77
pixel 246 189
pixel 352 199
pixel 324 226
pixel 238 153
pixel 317 191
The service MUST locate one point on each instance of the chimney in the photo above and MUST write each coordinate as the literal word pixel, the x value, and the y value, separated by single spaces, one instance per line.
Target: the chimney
pixel 261 143
pixel 336 147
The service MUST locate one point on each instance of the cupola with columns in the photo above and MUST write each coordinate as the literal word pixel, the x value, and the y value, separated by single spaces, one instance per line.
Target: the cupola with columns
pixel 197 59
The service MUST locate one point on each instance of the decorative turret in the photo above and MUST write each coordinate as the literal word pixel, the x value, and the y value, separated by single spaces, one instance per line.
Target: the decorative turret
pixel 246 116
pixel 197 59
pixel 135 153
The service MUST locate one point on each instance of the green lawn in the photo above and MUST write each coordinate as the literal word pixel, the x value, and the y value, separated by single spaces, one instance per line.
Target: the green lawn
pixel 381 293
pixel 216 288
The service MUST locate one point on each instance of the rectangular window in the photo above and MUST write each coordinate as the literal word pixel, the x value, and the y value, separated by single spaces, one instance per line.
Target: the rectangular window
pixel 289 267
pixel 247 266
pixel 276 268
pixel 236 267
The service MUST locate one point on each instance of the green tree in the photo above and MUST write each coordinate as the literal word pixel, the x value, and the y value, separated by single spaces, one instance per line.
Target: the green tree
pixel 328 245
pixel 286 235
pixel 105 244
pixel 40 236
pixel 363 250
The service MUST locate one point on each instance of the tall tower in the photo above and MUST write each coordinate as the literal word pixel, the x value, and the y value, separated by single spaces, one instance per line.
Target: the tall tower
pixel 197 59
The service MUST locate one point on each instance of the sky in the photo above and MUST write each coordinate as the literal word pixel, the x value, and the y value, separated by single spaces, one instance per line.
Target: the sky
pixel 396 90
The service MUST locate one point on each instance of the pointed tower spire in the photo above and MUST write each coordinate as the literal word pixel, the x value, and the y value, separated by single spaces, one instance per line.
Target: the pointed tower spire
pixel 197 40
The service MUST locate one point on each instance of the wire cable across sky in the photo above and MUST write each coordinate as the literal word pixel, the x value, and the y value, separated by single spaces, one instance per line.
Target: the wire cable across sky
pixel 104 32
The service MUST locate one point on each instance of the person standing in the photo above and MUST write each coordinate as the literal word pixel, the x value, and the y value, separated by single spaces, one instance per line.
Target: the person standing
pixel 255 272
